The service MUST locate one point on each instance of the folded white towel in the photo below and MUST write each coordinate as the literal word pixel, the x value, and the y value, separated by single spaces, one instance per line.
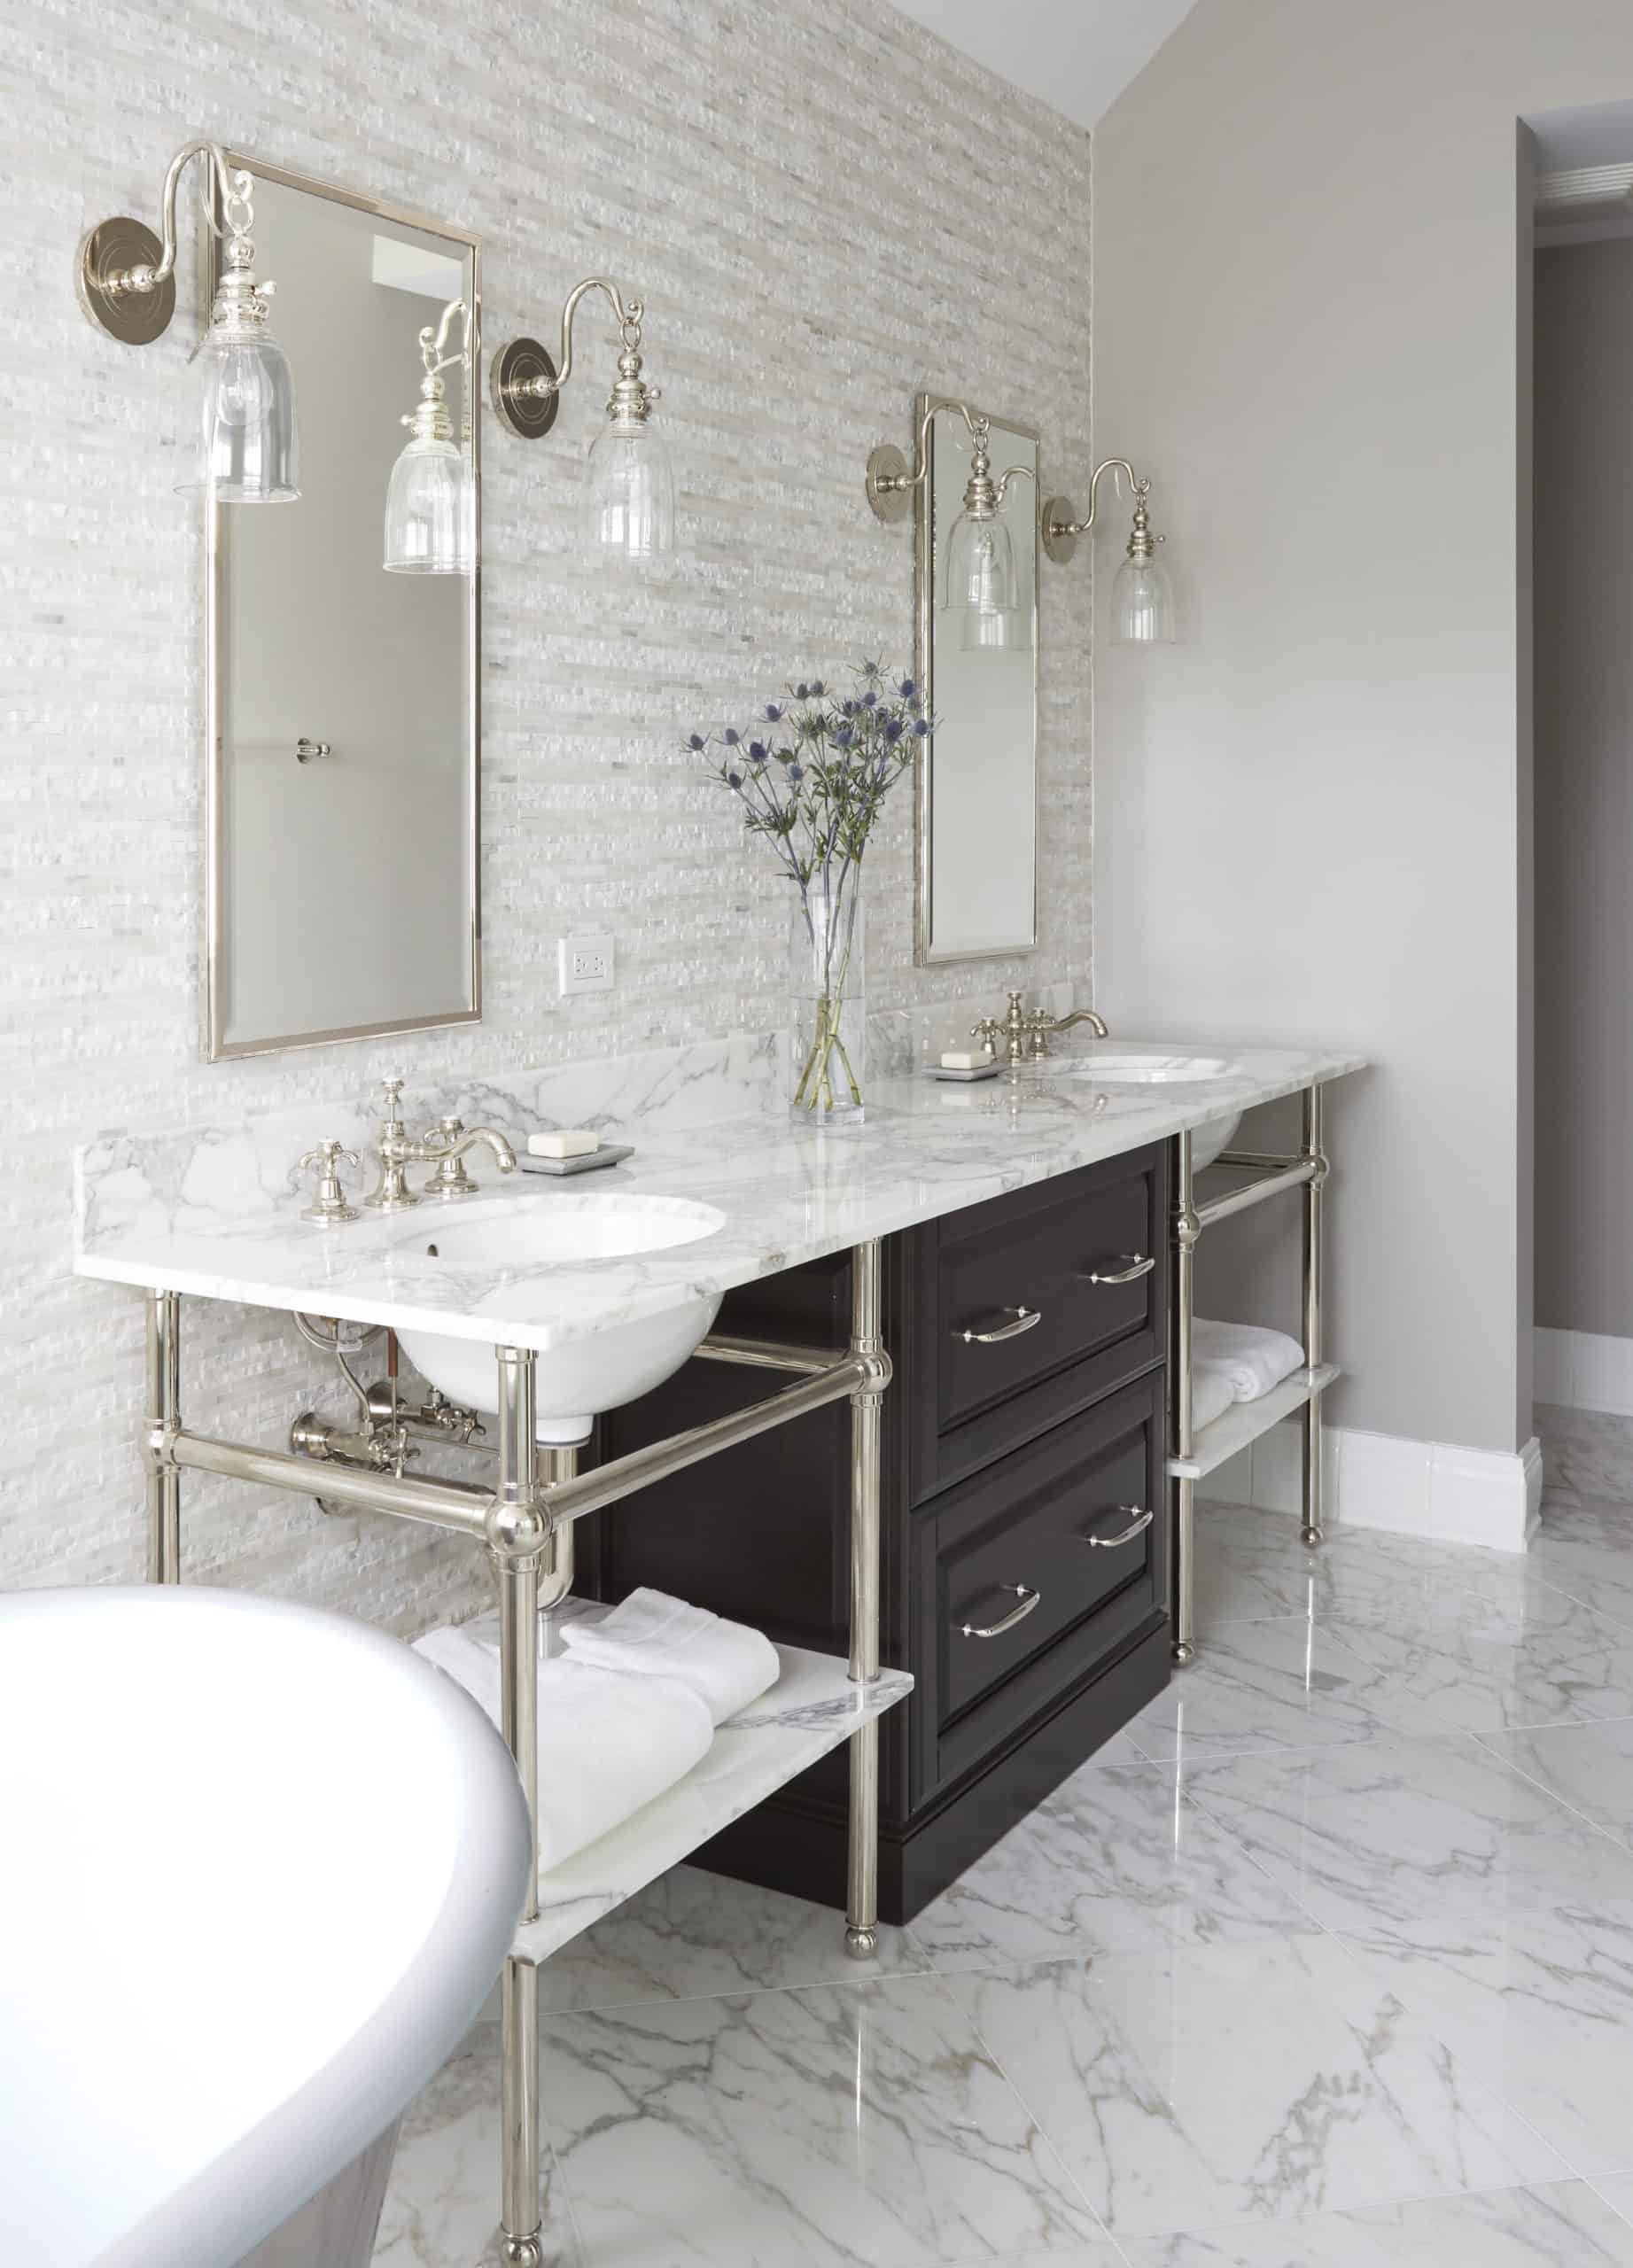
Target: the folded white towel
pixel 607 1744
pixel 1254 1359
pixel 1211 1394
pixel 726 1664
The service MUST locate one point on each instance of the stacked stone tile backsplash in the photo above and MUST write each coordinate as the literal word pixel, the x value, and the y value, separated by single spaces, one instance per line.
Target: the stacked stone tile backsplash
pixel 825 209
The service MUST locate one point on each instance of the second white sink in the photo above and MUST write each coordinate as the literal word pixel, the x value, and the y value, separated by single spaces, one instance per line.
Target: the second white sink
pixel 605 1367
pixel 1114 1071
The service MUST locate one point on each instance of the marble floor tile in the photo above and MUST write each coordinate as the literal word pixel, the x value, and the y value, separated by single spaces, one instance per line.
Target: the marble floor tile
pixel 811 2128
pixel 1617 2191
pixel 1242 2083
pixel 691 1933
pixel 1539 2001
pixel 1114 1861
pixel 1391 1831
pixel 1586 1453
pixel 442 2203
pixel 1473 1665
pixel 1588 1767
pixel 1288 1683
pixel 1561 2225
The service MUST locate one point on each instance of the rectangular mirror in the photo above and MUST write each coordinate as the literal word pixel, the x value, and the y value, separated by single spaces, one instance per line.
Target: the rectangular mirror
pixel 977 811
pixel 341 896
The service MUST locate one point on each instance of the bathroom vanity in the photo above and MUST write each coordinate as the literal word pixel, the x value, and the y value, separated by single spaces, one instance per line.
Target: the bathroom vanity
pixel 990 1276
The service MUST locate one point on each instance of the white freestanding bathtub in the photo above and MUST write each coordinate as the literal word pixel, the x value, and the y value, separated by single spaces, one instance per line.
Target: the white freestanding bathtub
pixel 262 1866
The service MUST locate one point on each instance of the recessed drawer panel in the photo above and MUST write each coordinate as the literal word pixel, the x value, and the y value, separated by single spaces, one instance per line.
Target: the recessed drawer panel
pixel 1032 1574
pixel 1042 1301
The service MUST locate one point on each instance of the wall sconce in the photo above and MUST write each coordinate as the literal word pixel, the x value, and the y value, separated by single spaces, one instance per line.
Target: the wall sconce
pixel 1142 597
pixel 127 284
pixel 430 506
pixel 980 574
pixel 629 492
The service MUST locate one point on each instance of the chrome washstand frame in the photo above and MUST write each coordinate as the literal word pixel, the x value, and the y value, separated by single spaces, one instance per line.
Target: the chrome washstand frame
pixel 525 1522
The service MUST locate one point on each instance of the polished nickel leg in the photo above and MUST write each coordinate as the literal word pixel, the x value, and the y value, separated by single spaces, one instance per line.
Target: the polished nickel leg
pixel 555 1567
pixel 1309 1437
pixel 519 1542
pixel 862 1898
pixel 164 1398
pixel 1182 1494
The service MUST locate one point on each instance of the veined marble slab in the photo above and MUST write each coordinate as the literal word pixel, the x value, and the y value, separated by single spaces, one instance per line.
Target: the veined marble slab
pixel 215 1214
pixel 812 1708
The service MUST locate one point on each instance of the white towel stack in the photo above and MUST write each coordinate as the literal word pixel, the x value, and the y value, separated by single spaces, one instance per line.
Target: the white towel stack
pixel 1212 1394
pixel 726 1664
pixel 1251 1359
pixel 619 1721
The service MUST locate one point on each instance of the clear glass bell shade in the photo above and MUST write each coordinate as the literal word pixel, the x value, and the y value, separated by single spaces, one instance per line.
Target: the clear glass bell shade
pixel 980 566
pixel 1003 630
pixel 1142 604
pixel 431 511
pixel 629 491
pixel 246 412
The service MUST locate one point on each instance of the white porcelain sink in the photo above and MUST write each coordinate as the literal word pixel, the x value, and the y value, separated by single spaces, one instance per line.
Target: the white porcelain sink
pixel 602 1368
pixel 1107 1067
pixel 1111 1067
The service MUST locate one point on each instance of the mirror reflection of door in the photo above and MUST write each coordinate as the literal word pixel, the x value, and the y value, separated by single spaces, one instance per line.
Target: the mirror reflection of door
pixel 344 818
pixel 978 798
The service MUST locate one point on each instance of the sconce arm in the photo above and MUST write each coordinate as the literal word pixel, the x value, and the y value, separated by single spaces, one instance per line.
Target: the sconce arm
pixel 890 478
pixel 1058 528
pixel 628 317
pixel 230 187
pixel 1016 472
pixel 434 343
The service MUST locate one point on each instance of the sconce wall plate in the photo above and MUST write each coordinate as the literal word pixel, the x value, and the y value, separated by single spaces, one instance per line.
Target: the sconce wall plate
pixel 136 318
pixel 1058 529
pixel 516 368
pixel 890 489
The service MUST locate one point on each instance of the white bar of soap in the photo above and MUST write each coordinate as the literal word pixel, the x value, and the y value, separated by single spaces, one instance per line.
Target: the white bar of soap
pixel 563 1142
pixel 965 1059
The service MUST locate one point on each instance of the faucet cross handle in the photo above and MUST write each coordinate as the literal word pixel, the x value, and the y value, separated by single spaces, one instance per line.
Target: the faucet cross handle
pixel 450 1179
pixel 328 1204
pixel 395 1149
pixel 989 1031
pixel 391 1091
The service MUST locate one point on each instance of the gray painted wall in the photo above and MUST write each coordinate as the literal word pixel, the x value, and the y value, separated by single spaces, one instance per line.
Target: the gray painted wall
pixel 1309 818
pixel 1584 788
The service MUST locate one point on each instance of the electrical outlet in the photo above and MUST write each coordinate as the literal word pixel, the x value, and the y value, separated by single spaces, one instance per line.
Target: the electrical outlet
pixel 586 965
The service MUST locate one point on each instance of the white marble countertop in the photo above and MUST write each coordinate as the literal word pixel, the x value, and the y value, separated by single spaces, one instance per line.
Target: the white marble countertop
pixel 786 1194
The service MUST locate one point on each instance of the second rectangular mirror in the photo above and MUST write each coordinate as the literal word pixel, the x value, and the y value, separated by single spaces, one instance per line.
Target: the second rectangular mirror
pixel 977 820
pixel 342 798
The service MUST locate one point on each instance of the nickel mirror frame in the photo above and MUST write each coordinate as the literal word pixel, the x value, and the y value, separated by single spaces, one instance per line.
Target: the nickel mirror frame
pixel 215 1047
pixel 926 952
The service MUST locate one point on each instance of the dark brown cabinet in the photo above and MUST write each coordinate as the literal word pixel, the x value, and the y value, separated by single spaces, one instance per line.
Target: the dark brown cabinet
pixel 1024 1577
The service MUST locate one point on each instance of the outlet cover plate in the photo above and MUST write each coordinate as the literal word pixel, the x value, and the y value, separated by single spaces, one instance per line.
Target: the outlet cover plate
pixel 587 965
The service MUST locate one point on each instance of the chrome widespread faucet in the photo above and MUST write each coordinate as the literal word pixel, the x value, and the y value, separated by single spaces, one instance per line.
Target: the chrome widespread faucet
pixel 1025 1034
pixel 445 1147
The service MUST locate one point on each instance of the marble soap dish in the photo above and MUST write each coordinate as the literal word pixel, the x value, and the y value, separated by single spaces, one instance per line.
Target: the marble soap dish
pixel 587 1161
pixel 978 1071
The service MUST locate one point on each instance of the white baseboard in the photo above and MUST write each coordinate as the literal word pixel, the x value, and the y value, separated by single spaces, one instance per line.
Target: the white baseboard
pixel 1429 1488
pixel 1584 1370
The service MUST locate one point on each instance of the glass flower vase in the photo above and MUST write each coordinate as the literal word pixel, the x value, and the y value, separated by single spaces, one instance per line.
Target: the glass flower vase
pixel 827 1058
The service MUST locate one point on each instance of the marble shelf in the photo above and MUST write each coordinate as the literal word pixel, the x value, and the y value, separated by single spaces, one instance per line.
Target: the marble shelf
pixel 1245 1421
pixel 811 1709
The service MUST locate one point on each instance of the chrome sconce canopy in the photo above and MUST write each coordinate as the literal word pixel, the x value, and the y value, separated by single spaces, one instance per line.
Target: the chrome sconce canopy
pixel 979 577
pixel 127 285
pixel 1142 597
pixel 430 504
pixel 629 498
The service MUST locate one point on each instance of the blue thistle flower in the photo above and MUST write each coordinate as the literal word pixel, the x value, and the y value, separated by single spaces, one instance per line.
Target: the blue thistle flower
pixel 773 712
pixel 870 701
pixel 697 743
pixel 796 771
pixel 921 730
pixel 731 736
pixel 817 689
pixel 893 729
pixel 844 737
pixel 734 779
pixel 756 751
pixel 802 691
pixel 908 689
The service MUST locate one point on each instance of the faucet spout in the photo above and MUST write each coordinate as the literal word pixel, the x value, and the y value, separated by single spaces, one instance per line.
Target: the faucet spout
pixel 1089 1016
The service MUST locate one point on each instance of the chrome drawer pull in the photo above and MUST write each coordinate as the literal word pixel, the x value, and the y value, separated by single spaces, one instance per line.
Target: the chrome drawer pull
pixel 1029 1600
pixel 1139 1264
pixel 1137 1525
pixel 1025 1319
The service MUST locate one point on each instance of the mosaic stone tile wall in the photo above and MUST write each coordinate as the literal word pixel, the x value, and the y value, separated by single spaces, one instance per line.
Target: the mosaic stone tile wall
pixel 825 209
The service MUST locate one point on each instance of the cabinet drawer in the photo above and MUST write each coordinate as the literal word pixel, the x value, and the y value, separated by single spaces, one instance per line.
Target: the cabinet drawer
pixel 1030 1576
pixel 1042 1301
